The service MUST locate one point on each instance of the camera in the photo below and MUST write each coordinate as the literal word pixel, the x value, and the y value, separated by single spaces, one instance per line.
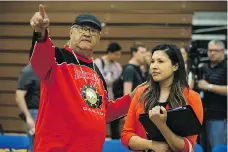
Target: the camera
pixel 197 57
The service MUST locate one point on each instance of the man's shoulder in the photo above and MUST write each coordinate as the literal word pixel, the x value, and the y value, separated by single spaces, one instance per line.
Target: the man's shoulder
pixel 205 65
pixel 62 54
pixel 224 64
pixel 99 61
pixel 27 69
pixel 129 67
pixel 61 49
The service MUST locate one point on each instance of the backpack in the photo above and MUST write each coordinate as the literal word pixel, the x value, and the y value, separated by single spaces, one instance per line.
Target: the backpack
pixel 118 84
pixel 102 63
pixel 117 87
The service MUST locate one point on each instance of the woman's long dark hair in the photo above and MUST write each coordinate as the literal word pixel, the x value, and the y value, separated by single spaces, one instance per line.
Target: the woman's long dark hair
pixel 176 97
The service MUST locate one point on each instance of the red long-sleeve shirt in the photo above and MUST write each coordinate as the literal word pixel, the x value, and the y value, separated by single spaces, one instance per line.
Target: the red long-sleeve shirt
pixel 67 120
pixel 133 127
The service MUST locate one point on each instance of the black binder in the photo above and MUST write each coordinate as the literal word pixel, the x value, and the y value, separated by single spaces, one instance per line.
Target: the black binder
pixel 182 121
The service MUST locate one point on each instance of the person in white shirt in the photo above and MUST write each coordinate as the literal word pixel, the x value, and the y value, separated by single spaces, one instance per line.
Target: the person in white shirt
pixel 111 70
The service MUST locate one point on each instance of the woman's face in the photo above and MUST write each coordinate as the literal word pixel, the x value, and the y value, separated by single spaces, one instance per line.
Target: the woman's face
pixel 161 67
pixel 184 54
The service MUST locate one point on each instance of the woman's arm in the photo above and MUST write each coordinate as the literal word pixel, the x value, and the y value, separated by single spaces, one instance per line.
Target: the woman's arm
pixel 129 137
pixel 128 134
pixel 175 142
pixel 138 143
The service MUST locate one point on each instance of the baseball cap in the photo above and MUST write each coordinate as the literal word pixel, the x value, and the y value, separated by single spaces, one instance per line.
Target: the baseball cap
pixel 87 19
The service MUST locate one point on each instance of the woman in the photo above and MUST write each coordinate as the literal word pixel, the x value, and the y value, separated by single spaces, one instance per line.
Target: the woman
pixel 190 77
pixel 167 88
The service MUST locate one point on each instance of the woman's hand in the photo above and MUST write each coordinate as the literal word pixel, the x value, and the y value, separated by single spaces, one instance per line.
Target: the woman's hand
pixel 158 118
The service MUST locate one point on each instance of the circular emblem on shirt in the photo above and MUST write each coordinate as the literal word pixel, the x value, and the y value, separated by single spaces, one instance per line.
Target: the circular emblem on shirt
pixel 91 97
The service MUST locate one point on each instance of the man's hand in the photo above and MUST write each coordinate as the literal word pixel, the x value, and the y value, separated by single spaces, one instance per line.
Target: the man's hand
pixel 30 123
pixel 40 20
pixel 139 86
pixel 202 84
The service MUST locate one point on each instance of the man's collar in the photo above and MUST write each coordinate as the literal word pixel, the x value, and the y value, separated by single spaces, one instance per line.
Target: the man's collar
pixel 81 58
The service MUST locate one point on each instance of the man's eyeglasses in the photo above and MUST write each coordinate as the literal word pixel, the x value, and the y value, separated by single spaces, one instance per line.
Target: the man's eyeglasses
pixel 215 50
pixel 83 30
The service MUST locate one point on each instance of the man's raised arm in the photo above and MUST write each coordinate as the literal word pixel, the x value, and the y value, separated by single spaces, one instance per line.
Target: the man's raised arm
pixel 43 56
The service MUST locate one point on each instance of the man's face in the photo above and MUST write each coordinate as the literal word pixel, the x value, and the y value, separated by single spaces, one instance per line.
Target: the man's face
pixel 115 55
pixel 84 37
pixel 148 55
pixel 215 53
pixel 140 55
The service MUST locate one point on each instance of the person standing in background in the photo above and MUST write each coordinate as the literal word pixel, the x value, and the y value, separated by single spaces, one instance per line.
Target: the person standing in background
pixel 109 67
pixel 145 68
pixel 132 74
pixel 111 70
pixel 27 99
pixel 214 86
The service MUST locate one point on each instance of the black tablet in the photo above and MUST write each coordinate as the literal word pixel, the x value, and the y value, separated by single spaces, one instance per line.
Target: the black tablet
pixel 182 121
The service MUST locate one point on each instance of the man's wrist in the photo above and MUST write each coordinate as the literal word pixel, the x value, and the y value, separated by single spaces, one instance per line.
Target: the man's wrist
pixel 41 36
pixel 209 87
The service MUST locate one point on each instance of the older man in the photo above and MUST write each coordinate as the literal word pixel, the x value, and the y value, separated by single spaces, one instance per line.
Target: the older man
pixel 74 106
pixel 214 85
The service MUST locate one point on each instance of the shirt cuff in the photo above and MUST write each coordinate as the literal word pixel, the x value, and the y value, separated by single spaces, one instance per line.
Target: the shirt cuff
pixel 125 139
pixel 187 146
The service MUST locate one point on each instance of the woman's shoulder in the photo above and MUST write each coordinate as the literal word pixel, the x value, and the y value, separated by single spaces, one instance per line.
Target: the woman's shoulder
pixel 139 92
pixel 141 89
pixel 193 98
pixel 190 92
